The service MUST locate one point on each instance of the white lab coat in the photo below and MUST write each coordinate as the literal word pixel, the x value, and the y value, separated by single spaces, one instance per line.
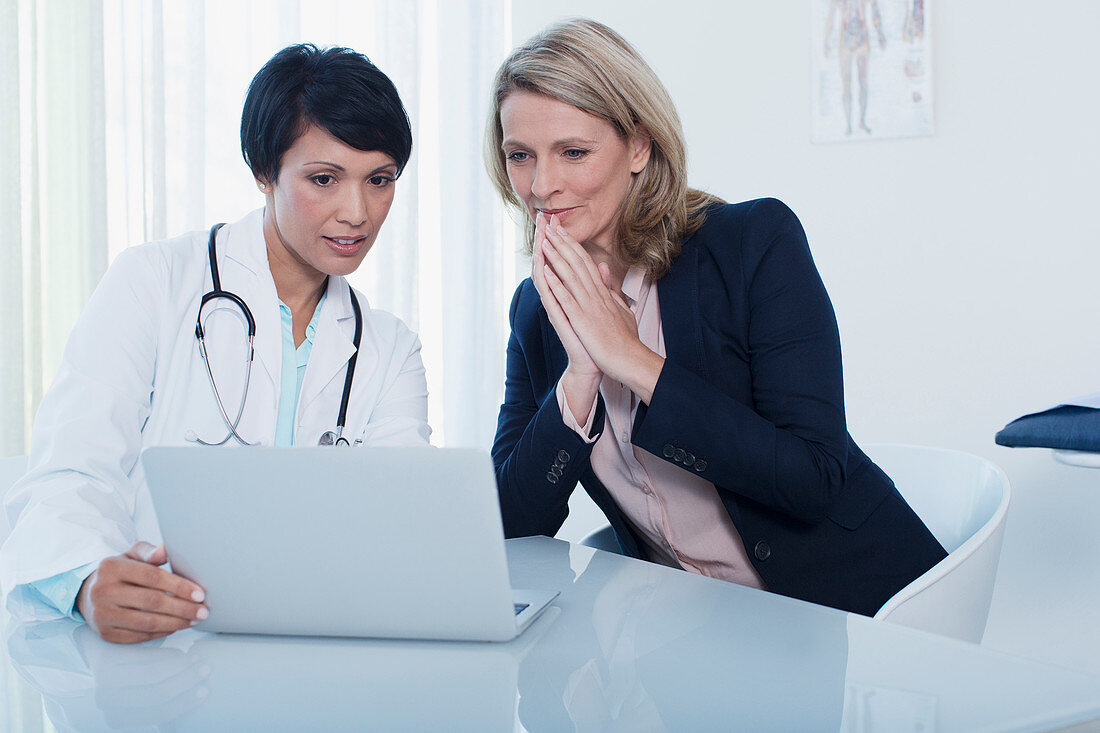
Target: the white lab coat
pixel 132 377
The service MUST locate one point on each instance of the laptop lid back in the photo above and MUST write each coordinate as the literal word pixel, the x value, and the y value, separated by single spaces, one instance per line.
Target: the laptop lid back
pixel 381 542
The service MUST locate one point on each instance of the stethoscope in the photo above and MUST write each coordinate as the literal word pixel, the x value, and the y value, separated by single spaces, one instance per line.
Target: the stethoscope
pixel 330 437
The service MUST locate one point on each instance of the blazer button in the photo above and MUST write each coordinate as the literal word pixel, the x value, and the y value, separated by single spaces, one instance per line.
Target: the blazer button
pixel 551 478
pixel 700 465
pixel 763 550
pixel 669 450
pixel 563 456
pixel 689 460
pixel 556 470
pixel 679 455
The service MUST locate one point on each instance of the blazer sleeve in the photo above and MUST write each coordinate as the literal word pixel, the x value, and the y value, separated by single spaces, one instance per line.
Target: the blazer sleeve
pixel 537 457
pixel 787 450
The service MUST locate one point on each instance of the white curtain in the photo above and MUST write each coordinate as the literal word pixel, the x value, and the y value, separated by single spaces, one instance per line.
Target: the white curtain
pixel 52 223
pixel 121 123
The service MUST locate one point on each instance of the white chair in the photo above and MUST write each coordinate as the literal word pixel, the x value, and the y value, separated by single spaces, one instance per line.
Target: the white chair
pixel 962 499
pixel 11 470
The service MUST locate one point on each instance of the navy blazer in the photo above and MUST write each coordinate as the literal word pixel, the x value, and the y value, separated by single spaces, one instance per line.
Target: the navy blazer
pixel 750 398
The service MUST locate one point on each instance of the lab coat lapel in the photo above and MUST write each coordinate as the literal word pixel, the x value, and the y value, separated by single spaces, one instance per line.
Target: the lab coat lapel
pixel 333 346
pixel 245 271
pixel 681 325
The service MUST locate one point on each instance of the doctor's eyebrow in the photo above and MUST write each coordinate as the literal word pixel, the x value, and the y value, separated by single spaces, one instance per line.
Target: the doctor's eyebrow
pixel 341 168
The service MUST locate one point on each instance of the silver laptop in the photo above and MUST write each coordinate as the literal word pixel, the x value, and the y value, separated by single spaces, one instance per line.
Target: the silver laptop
pixel 367 542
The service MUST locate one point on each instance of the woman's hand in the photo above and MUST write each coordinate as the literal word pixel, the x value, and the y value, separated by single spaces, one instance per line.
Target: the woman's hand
pixel 599 317
pixel 129 599
pixel 581 380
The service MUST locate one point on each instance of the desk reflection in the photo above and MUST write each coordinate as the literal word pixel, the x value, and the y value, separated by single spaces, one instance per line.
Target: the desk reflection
pixel 634 647
pixel 628 646
pixel 200 682
pixel 644 648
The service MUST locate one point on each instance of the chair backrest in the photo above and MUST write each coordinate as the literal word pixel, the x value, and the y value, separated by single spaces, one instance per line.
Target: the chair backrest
pixel 11 470
pixel 963 500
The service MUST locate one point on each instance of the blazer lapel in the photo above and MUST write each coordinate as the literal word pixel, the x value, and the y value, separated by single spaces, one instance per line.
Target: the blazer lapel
pixel 678 292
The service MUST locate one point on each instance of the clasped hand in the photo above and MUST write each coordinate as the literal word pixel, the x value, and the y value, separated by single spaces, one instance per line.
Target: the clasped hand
pixel 593 322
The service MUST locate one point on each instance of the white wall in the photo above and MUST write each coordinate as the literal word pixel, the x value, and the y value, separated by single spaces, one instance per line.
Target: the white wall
pixel 961 265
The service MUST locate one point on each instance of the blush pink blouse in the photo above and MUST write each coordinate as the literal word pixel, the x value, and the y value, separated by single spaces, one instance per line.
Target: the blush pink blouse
pixel 677 513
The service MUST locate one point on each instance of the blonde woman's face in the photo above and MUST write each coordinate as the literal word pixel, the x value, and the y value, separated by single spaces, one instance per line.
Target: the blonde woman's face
pixel 564 161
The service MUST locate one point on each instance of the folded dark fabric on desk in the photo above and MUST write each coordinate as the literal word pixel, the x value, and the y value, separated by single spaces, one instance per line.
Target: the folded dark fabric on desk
pixel 1068 427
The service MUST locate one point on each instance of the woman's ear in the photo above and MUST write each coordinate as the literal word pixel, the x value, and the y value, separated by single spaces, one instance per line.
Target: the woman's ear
pixel 642 145
pixel 264 186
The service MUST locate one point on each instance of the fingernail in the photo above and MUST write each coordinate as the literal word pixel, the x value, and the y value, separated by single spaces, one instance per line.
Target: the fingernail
pixel 198 596
pixel 202 614
pixel 554 222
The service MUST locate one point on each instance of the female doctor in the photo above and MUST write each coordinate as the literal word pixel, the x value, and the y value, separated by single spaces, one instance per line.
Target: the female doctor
pixel 163 353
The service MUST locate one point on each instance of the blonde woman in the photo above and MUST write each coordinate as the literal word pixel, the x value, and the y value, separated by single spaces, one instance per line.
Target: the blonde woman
pixel 676 355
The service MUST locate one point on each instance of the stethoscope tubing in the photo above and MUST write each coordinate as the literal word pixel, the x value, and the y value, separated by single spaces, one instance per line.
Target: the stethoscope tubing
pixel 342 418
pixel 329 438
pixel 232 425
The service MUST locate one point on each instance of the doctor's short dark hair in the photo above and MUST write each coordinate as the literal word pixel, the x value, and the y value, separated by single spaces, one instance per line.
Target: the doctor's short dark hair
pixel 336 89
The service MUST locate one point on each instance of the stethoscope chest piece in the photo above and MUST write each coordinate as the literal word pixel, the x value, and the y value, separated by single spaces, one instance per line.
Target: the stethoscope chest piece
pixel 336 437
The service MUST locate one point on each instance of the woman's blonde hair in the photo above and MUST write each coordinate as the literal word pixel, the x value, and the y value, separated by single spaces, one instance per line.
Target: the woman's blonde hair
pixel 587 65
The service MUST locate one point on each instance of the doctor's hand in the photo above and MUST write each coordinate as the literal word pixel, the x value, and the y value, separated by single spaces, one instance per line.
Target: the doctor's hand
pixel 128 599
pixel 581 380
pixel 598 314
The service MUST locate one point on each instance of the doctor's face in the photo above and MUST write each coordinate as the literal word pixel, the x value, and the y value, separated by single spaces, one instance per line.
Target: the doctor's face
pixel 562 160
pixel 324 211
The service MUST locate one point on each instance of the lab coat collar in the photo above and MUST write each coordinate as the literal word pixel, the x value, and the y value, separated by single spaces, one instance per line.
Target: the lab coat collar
pixel 333 345
pixel 243 243
pixel 242 265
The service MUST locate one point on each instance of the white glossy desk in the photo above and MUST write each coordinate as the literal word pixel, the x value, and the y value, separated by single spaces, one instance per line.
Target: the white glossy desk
pixel 630 646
